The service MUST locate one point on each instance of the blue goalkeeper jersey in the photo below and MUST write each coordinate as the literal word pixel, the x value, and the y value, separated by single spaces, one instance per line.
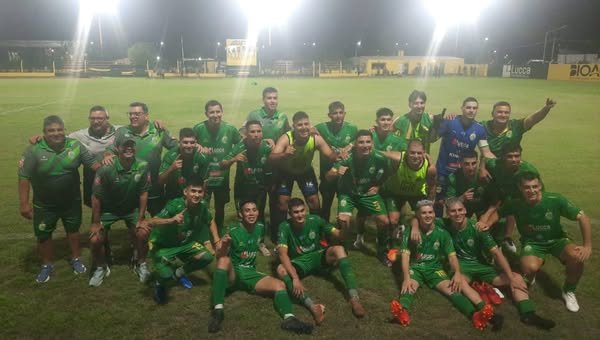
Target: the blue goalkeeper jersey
pixel 457 139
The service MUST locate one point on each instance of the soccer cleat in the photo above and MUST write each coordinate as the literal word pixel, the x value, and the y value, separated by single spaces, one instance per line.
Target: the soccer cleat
pixel 383 258
pixel 482 317
pixel 533 319
pixel 478 287
pixel 399 313
pixel 318 313
pixel 215 322
pixel 185 282
pixel 160 294
pixel 360 242
pixel 263 249
pixel 496 321
pixel 509 245
pixel 491 294
pixel 292 324
pixel 98 276
pixel 571 301
pixel 142 271
pixel 78 267
pixel 44 274
pixel 357 308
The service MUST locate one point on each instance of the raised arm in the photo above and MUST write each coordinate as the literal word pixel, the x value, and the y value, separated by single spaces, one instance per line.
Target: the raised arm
pixel 538 116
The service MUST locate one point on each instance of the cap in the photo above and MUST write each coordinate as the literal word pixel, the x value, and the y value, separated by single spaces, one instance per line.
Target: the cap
pixel 124 141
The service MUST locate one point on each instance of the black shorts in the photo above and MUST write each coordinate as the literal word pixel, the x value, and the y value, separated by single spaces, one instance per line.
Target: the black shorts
pixel 307 182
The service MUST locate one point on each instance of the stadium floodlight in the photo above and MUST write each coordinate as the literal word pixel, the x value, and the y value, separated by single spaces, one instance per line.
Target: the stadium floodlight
pixel 453 12
pixel 265 14
pixel 98 6
pixel 157 58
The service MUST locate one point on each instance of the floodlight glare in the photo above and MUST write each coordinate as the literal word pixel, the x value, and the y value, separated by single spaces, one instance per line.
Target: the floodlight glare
pixel 98 6
pixel 451 12
pixel 266 13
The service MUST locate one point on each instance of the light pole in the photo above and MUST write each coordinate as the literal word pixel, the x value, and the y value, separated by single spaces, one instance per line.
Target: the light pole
pixel 546 40
pixel 358 43
pixel 217 50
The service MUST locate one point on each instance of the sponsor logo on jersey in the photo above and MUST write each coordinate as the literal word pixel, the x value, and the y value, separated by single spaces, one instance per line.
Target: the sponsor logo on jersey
pixel 472 136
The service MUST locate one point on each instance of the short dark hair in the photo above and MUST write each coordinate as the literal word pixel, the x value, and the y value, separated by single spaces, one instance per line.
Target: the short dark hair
pixel 528 176
pixel 195 181
pixel 140 104
pixel 53 119
pixel 336 105
pixel 299 115
pixel 363 132
pixel 414 141
pixel 384 111
pixel 469 99
pixel 294 202
pixel 501 103
pixel 212 102
pixel 511 147
pixel 186 133
pixel 252 122
pixel 416 94
pixel 99 108
pixel 247 201
pixel 269 90
pixel 469 154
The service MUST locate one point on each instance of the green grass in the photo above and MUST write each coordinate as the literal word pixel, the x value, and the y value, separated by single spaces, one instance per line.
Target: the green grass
pixel 564 147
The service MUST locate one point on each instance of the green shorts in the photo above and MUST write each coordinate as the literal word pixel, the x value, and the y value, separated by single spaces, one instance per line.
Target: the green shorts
pixel 221 195
pixel 45 219
pixel 541 249
pixel 108 219
pixel 368 205
pixel 164 258
pixel 246 279
pixel 429 276
pixel 478 271
pixel 396 203
pixel 310 263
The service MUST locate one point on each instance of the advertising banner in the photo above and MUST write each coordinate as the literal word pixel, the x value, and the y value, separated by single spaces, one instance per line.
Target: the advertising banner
pixel 240 53
pixel 574 72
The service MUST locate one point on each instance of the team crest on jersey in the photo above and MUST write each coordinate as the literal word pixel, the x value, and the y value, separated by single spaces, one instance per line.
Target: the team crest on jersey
pixel 472 136
pixel 70 154
pixel 471 242
pixel 196 168
pixel 548 215
pixel 224 140
pixel 527 248
pixel 343 202
pixel 509 134
pixel 263 160
pixel 411 272
pixel 137 177
pixel 372 170
pixel 347 140
pixel 388 148
pixel 42 226
pixel 436 245
pixel 312 235
pixel 155 140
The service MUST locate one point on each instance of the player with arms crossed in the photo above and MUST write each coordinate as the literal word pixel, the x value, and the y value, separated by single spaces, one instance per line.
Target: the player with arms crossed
pixel 301 254
pixel 236 265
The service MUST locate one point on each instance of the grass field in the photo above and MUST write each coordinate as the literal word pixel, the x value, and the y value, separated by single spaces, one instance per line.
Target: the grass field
pixel 565 148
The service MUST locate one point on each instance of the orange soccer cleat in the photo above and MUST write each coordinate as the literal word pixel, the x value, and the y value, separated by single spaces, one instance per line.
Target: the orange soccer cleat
pixel 481 318
pixel 399 313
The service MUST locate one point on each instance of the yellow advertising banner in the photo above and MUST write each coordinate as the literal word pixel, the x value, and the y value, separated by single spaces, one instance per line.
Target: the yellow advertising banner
pixel 574 72
pixel 240 53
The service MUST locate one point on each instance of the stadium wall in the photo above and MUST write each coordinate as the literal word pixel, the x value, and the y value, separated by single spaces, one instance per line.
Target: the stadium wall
pixel 574 72
pixel 26 74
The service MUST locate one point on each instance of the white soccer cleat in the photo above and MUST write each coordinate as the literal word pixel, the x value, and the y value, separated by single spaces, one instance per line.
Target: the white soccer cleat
pixel 99 275
pixel 360 242
pixel 570 301
pixel 142 271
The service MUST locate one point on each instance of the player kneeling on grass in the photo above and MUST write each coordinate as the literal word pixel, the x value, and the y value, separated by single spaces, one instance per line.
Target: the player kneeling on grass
pixel 236 265
pixel 180 232
pixel 422 264
pixel 471 246
pixel 301 254
pixel 120 192
pixel 537 215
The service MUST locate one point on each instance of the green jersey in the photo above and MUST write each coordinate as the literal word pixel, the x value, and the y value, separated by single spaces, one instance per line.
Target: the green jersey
pixel 362 174
pixel 54 175
pixel 512 134
pixel 244 244
pixel 504 183
pixel 308 239
pixel 434 247
pixel 273 126
pixel 195 226
pixel 196 165
pixel 470 244
pixel 251 175
pixel 220 144
pixel 336 140
pixel 148 148
pixel 458 184
pixel 407 129
pixel 391 142
pixel 119 189
pixel 541 222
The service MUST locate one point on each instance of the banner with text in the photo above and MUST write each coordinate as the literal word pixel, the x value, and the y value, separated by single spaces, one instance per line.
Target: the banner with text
pixel 240 53
pixel 574 72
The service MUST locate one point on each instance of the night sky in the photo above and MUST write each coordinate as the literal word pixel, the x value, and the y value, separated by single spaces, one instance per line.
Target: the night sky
pixel 512 26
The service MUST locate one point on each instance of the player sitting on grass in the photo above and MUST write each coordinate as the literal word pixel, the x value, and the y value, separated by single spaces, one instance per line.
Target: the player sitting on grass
pixel 537 214
pixel 422 264
pixel 120 192
pixel 236 265
pixel 301 254
pixel 471 247
pixel 180 232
